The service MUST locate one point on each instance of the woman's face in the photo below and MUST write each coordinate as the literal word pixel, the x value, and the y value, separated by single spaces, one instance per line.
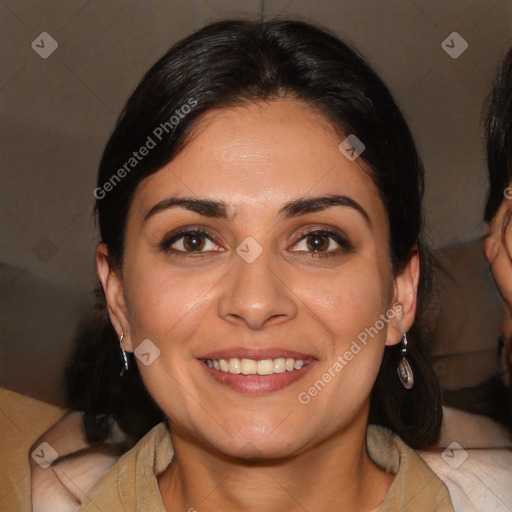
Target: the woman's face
pixel 260 241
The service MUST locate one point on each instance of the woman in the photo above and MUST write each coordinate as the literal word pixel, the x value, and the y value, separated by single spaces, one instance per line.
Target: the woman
pixel 259 205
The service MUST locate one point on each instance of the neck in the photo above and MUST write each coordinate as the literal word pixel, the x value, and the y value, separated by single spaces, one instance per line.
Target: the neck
pixel 334 474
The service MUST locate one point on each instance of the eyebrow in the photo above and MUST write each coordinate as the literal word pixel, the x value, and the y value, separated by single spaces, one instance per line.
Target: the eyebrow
pixel 206 207
pixel 219 209
pixel 315 204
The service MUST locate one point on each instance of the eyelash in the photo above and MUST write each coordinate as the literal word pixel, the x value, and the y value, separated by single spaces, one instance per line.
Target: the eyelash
pixel 166 244
pixel 345 245
pixel 342 241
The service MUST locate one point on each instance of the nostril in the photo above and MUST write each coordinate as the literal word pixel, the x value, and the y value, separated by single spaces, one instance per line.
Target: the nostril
pixel 276 319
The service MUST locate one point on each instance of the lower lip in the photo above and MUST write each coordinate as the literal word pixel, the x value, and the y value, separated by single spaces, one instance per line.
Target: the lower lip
pixel 257 384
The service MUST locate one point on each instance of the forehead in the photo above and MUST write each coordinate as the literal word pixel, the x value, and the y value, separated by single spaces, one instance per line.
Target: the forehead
pixel 257 156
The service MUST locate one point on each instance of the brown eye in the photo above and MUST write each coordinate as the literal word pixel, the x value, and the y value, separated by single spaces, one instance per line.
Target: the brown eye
pixel 190 242
pixel 317 242
pixel 322 243
pixel 193 242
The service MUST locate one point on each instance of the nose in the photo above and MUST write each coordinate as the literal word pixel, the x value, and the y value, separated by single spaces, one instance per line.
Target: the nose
pixel 255 296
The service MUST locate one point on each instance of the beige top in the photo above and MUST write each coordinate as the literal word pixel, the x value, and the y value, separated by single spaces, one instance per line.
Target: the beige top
pixel 22 421
pixel 131 484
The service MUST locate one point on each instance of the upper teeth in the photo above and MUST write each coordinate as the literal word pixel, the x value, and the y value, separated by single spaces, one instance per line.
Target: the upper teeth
pixel 252 367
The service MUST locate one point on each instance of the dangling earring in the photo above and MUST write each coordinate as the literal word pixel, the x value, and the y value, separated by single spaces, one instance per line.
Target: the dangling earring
pixel 404 368
pixel 124 359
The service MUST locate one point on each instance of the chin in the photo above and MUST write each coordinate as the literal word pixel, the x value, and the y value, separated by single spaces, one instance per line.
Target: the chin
pixel 255 446
pixel 254 451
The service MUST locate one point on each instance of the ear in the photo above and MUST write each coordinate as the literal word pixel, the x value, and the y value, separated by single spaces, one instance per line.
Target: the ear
pixel 493 239
pixel 496 230
pixel 404 300
pixel 112 284
pixel 491 247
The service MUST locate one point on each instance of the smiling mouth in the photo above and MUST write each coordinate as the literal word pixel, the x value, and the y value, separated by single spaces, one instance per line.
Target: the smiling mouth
pixel 238 366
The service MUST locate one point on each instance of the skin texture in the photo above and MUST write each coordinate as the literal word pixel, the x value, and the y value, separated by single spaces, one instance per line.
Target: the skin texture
pixel 262 452
pixel 497 247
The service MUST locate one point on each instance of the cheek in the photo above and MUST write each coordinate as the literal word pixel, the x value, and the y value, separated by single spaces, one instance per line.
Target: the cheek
pixel 168 306
pixel 170 309
pixel 353 308
pixel 347 302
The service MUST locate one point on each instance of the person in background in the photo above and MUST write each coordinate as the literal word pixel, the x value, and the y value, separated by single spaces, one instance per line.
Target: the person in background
pixel 498 210
pixel 477 462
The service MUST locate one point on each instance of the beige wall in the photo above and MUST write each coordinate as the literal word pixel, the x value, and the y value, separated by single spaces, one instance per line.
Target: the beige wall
pixel 59 111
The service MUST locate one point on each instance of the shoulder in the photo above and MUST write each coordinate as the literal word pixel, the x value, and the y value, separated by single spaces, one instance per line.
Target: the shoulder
pixel 415 487
pixel 131 484
pixel 474 460
pixel 22 421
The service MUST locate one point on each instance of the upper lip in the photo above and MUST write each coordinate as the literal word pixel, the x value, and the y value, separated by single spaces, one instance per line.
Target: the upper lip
pixel 255 353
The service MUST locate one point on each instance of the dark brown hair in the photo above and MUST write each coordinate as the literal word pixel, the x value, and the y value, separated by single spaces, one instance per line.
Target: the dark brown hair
pixel 499 137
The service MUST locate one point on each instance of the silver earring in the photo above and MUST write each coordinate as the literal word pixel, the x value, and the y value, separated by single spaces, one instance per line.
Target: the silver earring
pixel 124 359
pixel 404 369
